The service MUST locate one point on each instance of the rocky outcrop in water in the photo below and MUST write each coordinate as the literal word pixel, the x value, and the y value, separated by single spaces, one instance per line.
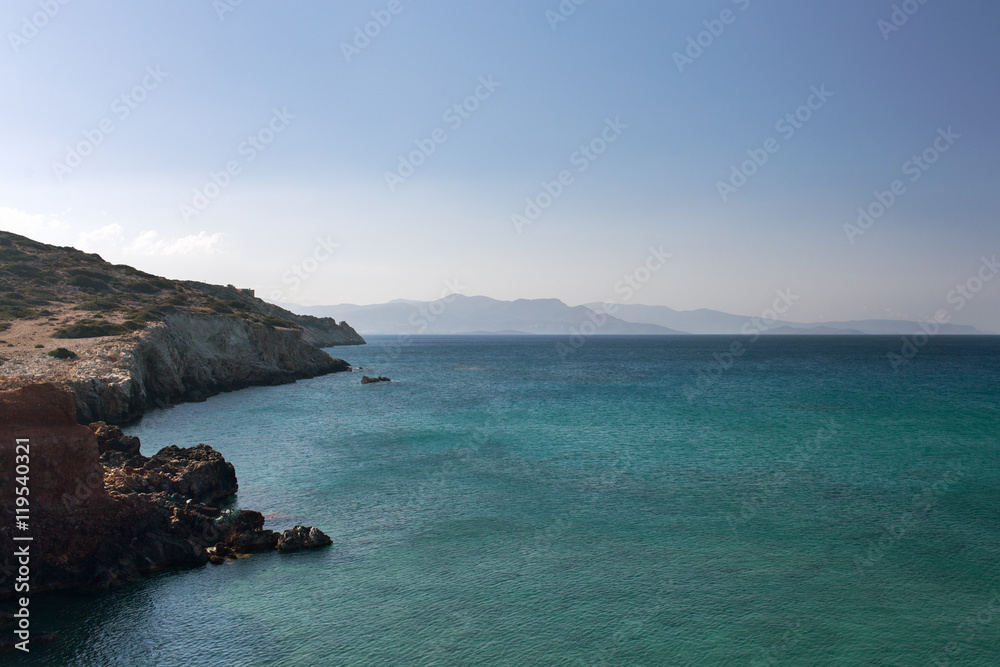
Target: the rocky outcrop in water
pixel 95 524
pixel 196 473
pixel 302 537
pixel 373 380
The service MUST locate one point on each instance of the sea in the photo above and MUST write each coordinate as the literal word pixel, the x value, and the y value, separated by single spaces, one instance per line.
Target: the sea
pixel 593 501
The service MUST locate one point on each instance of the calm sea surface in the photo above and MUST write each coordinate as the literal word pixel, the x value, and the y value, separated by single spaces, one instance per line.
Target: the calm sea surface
pixel 502 504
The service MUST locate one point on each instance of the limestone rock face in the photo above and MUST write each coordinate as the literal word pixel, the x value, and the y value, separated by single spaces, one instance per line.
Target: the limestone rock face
pixel 190 357
pixel 185 357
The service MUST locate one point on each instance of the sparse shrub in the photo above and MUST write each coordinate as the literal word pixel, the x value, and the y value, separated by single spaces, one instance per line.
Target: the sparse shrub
pixel 89 283
pixel 38 346
pixel 12 311
pixel 97 275
pixel 97 303
pixel 151 313
pixel 11 254
pixel 62 353
pixel 90 329
pixel 145 287
pixel 273 321
pixel 22 270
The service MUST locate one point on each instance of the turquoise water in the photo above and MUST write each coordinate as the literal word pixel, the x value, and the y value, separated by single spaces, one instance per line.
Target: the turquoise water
pixel 498 504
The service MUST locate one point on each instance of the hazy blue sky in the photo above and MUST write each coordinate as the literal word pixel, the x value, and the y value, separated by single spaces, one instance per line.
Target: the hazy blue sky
pixel 222 70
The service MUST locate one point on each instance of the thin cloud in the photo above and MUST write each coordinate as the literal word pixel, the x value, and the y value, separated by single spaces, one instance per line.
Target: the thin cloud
pixel 153 243
pixel 44 228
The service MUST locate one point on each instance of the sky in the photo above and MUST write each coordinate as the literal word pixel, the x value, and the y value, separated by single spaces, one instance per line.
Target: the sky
pixel 359 152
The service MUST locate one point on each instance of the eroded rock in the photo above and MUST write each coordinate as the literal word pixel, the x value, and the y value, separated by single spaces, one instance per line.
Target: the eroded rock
pixel 303 537
pixel 97 524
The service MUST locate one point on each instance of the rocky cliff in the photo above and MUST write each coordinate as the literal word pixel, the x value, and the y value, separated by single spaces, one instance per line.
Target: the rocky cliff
pixel 126 341
pixel 184 357
pixel 100 518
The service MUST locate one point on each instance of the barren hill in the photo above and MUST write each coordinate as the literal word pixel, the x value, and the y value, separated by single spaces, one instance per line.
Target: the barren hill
pixel 123 340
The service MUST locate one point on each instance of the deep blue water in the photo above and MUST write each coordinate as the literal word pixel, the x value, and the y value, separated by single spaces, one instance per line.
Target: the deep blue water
pixel 501 504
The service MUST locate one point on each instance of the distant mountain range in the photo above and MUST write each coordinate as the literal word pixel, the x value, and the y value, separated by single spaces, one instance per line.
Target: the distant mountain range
pixel 705 321
pixel 457 314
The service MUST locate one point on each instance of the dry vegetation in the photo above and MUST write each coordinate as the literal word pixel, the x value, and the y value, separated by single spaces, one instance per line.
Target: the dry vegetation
pixel 53 296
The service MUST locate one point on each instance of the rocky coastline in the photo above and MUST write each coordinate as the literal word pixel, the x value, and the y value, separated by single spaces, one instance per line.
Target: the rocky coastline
pixel 186 357
pixel 123 341
pixel 102 513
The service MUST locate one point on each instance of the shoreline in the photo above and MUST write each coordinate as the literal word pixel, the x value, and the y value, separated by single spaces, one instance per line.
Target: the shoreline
pixel 101 514
pixel 185 358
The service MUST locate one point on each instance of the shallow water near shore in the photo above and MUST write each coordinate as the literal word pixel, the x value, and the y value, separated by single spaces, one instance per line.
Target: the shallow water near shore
pixel 499 504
